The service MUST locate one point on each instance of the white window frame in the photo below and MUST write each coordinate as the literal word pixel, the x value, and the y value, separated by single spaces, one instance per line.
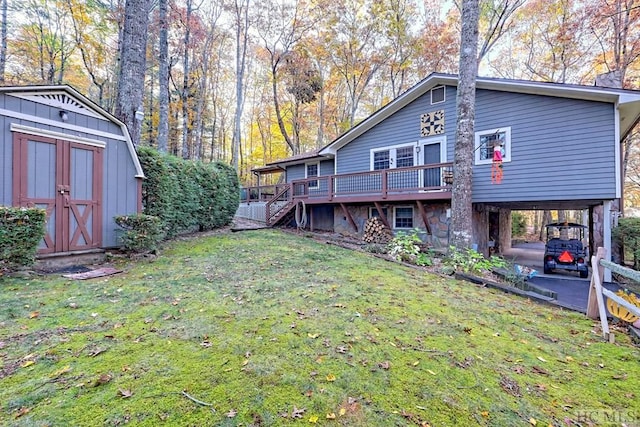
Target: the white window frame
pixel 306 174
pixel 395 208
pixel 444 95
pixel 392 154
pixel 506 157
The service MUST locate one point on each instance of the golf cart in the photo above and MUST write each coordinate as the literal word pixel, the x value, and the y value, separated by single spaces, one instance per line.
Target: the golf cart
pixel 564 249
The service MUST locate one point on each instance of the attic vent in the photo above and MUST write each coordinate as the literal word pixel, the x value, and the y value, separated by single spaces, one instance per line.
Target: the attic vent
pixel 437 95
pixel 59 99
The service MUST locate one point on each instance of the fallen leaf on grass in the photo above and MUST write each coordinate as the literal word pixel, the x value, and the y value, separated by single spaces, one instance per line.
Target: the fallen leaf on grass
pixel 102 379
pixel 538 370
pixel 232 413
pixel 61 371
pixel 125 394
pixel 342 412
pixel 27 363
pixel 34 314
pixel 510 386
pixel 297 413
pixel 331 416
pixel 542 359
pixel 313 419
pixel 22 411
pixel 96 351
pixel 385 365
pixel 205 344
pixel 331 377
pixel 313 336
pixel 533 421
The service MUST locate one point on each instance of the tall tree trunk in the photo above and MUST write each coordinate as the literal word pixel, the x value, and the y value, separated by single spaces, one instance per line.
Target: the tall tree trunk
pixel 3 41
pixel 163 78
pixel 462 212
pixel 242 38
pixel 186 122
pixel 133 49
pixel 546 219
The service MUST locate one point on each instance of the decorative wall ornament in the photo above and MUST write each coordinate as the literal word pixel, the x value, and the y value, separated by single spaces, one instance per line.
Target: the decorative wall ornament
pixel 432 123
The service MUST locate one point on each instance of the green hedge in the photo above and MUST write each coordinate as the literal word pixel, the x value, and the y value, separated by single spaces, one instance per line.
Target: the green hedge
pixel 142 232
pixel 21 230
pixel 188 195
pixel 627 233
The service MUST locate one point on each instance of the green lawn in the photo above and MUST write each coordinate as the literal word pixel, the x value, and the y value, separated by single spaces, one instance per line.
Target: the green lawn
pixel 267 328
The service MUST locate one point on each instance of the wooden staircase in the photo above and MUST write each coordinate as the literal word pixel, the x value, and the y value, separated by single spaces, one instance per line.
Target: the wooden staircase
pixel 280 209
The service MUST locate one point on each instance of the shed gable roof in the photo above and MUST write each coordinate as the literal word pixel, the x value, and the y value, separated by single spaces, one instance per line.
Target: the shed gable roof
pixel 628 101
pixel 67 98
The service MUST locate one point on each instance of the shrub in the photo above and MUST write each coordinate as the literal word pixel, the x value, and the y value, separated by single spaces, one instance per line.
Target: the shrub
pixel 518 224
pixel 471 261
pixel 142 232
pixel 21 230
pixel 627 233
pixel 405 246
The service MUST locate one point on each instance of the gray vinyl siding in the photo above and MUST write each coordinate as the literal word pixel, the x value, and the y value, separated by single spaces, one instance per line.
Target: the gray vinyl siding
pixel 402 127
pixel 120 187
pixel 295 172
pixel 326 167
pixel 561 149
pixel 6 168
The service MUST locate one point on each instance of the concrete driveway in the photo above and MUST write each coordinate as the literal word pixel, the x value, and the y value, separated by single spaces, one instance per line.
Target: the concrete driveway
pixel 572 291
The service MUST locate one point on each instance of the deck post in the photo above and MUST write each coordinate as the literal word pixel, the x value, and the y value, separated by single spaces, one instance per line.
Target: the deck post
pixel 384 184
pixel 331 188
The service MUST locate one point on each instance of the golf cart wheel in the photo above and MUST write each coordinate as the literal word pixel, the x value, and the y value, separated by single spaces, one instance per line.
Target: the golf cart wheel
pixel 584 274
pixel 547 270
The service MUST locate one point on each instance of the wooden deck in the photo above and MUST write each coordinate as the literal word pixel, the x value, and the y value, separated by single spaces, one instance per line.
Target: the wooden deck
pixel 416 183
pixel 429 182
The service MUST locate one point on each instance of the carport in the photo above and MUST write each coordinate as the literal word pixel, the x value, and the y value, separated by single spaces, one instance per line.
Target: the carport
pixel 598 215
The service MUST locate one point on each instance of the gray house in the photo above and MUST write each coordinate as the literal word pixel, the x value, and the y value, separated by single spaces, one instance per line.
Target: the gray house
pixel 537 146
pixel 61 152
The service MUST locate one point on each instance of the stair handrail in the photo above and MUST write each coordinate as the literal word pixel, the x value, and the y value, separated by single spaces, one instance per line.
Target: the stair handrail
pixel 277 197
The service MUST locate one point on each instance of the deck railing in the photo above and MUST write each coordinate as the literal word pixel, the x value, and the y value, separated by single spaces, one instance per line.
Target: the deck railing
pixel 380 184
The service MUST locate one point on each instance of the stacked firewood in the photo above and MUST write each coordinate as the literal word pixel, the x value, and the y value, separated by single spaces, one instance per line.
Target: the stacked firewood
pixel 375 231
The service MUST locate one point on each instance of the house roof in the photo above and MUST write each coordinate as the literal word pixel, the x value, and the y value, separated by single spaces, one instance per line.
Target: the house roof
pixel 298 158
pixel 628 101
pixel 69 99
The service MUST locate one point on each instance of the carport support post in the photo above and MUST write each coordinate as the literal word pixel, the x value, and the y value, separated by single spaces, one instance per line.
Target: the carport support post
pixel 606 236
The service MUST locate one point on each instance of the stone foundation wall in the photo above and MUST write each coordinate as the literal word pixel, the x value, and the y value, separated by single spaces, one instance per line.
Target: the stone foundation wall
pixel 436 218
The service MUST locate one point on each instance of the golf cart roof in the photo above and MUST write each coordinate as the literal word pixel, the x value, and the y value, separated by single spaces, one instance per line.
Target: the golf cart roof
pixel 565 224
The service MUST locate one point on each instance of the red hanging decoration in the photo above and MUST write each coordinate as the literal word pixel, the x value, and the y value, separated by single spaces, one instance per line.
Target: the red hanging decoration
pixel 496 166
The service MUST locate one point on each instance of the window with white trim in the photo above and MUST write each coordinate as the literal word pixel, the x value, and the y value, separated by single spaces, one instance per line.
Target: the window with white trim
pixel 487 141
pixel 403 217
pixel 397 156
pixel 312 170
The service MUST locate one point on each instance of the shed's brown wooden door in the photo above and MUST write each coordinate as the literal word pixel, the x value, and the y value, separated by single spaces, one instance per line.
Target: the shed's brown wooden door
pixel 65 178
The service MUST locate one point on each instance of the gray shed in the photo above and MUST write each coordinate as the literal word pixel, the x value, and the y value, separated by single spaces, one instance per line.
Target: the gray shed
pixel 62 152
